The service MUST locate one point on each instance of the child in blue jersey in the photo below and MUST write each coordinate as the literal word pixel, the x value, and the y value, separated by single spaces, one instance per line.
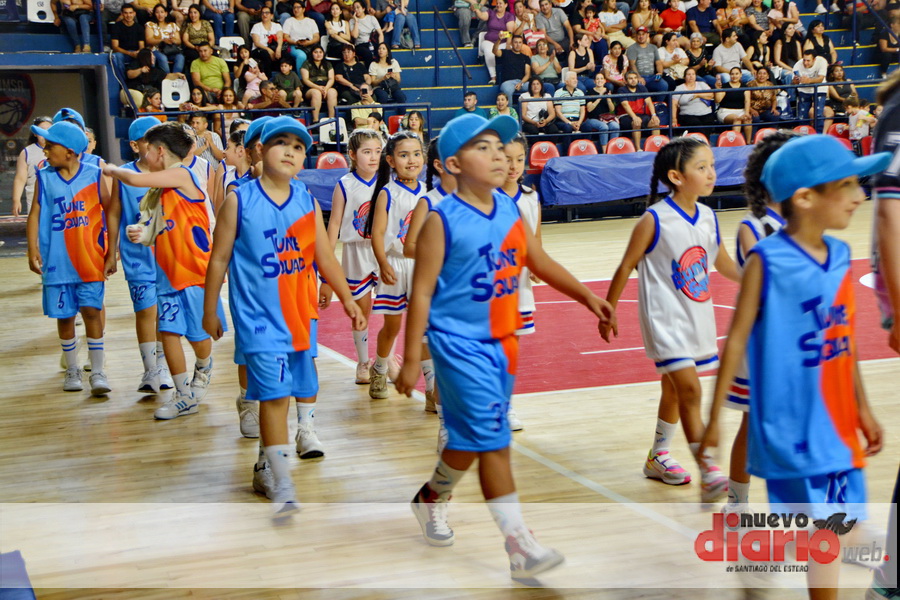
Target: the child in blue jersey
pixel 795 321
pixel 139 264
pixel 270 232
pixel 178 227
pixel 67 247
pixel 469 256
pixel 673 246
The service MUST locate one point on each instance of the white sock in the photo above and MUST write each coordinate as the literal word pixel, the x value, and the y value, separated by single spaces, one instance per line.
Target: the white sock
pixel 95 353
pixel 182 383
pixel 361 341
pixel 306 412
pixel 70 350
pixel 443 480
pixel 662 439
pixel 161 356
pixel 203 363
pixel 440 413
pixel 381 364
pixel 738 492
pixel 428 372
pixel 507 513
pixel 277 456
pixel 148 355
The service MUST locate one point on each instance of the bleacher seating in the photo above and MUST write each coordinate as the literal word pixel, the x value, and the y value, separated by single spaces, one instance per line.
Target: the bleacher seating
pixel 620 145
pixel 655 142
pixel 731 139
pixel 539 155
pixel 582 148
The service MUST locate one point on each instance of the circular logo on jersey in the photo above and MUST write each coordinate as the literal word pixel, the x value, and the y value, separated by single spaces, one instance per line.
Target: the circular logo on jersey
pixel 360 216
pixel 690 274
pixel 404 227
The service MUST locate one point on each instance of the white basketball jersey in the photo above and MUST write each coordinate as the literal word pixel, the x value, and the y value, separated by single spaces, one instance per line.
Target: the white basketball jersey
pixel 357 203
pixel 434 196
pixel 34 154
pixel 401 204
pixel 200 168
pixel 758 227
pixel 529 207
pixel 674 303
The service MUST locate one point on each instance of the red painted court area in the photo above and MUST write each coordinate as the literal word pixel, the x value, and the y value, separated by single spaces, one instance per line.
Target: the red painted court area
pixel 566 351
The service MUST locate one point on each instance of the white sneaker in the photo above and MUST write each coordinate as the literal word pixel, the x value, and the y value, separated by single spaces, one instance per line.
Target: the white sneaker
pixel 308 444
pixel 821 10
pixel 150 382
pixel 515 424
pixel 378 389
pixel 835 8
pixel 395 362
pixel 263 480
pixel 432 517
pixel 73 382
pixel 178 405
pixel 248 412
pixel 284 501
pixel 362 373
pixel 527 557
pixel 99 384
pixel 165 378
pixel 713 482
pixel 665 468
pixel 200 382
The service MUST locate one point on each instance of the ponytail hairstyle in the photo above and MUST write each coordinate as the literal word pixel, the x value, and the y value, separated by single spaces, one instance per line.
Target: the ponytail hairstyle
pixel 357 137
pixel 754 190
pixel 671 156
pixel 430 171
pixel 521 139
pixel 384 172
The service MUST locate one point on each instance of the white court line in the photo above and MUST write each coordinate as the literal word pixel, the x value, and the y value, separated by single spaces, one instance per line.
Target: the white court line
pixel 721 337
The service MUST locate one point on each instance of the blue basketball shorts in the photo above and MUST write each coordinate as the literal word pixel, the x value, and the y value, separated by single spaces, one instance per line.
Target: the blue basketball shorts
pixel 274 375
pixel 143 294
pixel 64 301
pixel 821 496
pixel 181 313
pixel 476 384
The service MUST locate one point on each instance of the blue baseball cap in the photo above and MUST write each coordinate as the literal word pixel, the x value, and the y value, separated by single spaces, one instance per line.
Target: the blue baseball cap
pixel 461 130
pixel 812 160
pixel 66 114
pixel 65 134
pixel 280 125
pixel 139 128
pixel 255 129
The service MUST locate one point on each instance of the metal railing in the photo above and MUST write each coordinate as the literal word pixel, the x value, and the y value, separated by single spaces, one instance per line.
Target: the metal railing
pixel 854 30
pixel 437 53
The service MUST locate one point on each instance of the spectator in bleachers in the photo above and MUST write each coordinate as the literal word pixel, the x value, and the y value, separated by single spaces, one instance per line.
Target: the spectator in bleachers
pixel 414 122
pixel 776 16
pixel 672 20
pixel 317 10
pixel 702 19
pixel 643 59
pixel 757 21
pixel 196 32
pixel 582 63
pixel 111 10
pixel 760 52
pixel 366 32
pixel 199 102
pixel 385 73
pixel 734 103
pixel 699 60
pixel 75 16
pixel 318 77
pixel 504 107
pixel 152 105
pixel 636 110
pixel 247 14
pixel 569 104
pixel 763 103
pixel 209 145
pixel 729 55
pixel 614 23
pixel 696 109
pixel 645 16
pixel 673 60
pixel 789 14
pixel 527 28
pixel 515 67
pixel 350 75
pixel 253 78
pixel 360 116
pixel 587 23
pixel 240 68
pixel 144 10
pixel 537 117
pixel 403 17
pixel 811 69
pixel 162 38
pixel 270 97
pixel 179 10
pixel 143 73
pixel 558 32
pixel 500 23
pixel 220 14
pixel 209 73
pixel 860 121
pixel 837 94
pixel 788 51
pixel 470 105
pixel 463 9
pixel 819 42
pixel 732 17
pixel 338 31
pixel 300 33
pixel 127 37
pixel 268 41
pixel 230 102
pixel 888 45
pixel 546 67
pixel 615 65
pixel 599 112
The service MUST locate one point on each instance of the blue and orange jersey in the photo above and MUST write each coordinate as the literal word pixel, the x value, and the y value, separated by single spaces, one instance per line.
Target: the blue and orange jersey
pixel 801 356
pixel 271 270
pixel 477 292
pixel 72 235
pixel 137 259
pixel 183 247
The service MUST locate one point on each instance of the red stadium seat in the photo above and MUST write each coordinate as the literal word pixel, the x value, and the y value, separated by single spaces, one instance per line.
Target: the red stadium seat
pixel 700 136
pixel 301 120
pixel 762 133
pixel 840 130
pixel 805 129
pixel 331 160
pixel 655 142
pixel 620 145
pixel 731 139
pixel 582 148
pixel 866 145
pixel 539 155
pixel 394 123
pixel 846 142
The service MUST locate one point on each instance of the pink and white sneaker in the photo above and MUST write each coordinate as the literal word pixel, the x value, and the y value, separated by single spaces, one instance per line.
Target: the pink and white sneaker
pixel 713 482
pixel 665 468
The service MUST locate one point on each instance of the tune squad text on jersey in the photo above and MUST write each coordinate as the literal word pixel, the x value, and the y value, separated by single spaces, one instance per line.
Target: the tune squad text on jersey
pixel 485 285
pixel 272 264
pixel 62 219
pixel 814 344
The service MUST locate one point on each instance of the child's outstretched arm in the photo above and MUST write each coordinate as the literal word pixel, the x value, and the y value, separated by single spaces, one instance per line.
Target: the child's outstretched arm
pixel 560 279
pixel 641 238
pixel 726 265
pixel 379 226
pixel 167 178
pixel 415 227
pixel 113 220
pixel 748 304
pixel 223 246
pixel 540 240
pixel 429 261
pixel 869 427
pixel 32 232
pixel 331 270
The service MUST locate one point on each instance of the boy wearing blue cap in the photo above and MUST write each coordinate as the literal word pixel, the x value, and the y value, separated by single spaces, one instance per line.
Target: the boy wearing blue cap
pixel 469 255
pixel 270 231
pixel 67 247
pixel 138 262
pixel 795 319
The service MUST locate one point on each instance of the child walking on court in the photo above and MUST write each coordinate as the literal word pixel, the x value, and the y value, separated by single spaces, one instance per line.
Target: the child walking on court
pixel 174 219
pixel 270 233
pixel 469 257
pixel 138 263
pixel 672 247
pixel 393 200
pixel 67 247
pixel 351 202
pixel 795 320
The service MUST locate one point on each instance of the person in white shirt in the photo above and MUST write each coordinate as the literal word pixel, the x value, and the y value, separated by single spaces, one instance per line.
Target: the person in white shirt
pixel 300 33
pixel 811 69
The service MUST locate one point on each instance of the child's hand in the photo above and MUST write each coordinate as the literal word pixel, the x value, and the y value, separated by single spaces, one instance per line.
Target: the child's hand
pixel 135 233
pixel 387 274
pixel 871 430
pixel 35 263
pixel 109 170
pixel 110 266
pixel 324 295
pixel 357 319
pixel 406 380
pixel 607 315
pixel 534 278
pixel 212 325
pixel 710 438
